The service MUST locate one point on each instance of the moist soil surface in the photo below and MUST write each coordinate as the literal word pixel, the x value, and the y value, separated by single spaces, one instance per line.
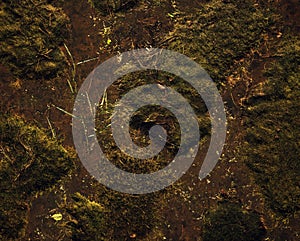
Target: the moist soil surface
pixel 144 26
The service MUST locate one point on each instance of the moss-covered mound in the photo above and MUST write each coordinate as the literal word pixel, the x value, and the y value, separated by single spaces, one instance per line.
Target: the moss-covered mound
pixel 145 118
pixel 88 222
pixel 30 162
pixel 115 216
pixel 31 33
pixel 220 33
pixel 229 221
pixel 272 150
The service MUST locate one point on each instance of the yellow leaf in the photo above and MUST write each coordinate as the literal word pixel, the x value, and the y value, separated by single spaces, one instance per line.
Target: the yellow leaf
pixel 108 41
pixel 57 216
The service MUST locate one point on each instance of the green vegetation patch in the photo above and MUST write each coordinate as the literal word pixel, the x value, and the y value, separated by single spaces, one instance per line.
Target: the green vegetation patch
pixel 137 215
pixel 273 128
pixel 30 162
pixel 220 33
pixel 88 219
pixel 145 118
pixel 229 221
pixel 31 33
pixel 115 216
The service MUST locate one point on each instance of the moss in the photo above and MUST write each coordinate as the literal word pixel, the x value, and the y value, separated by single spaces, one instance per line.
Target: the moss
pixel 28 153
pixel 229 221
pixel 132 214
pixel 272 149
pixel 88 219
pixel 31 33
pixel 30 162
pixel 115 216
pixel 283 75
pixel 220 33
pixel 13 216
pixel 145 118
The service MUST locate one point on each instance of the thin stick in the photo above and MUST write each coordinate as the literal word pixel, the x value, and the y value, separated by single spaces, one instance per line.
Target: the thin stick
pixel 85 133
pixel 89 102
pixel 70 86
pixel 73 69
pixel 104 99
pixel 66 112
pixel 86 61
pixel 51 128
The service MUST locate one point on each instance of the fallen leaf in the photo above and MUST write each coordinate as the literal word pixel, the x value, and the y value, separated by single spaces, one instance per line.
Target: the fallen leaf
pixel 57 216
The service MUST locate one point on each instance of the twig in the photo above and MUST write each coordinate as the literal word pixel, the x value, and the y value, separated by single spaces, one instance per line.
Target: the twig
pixel 51 128
pixel 104 99
pixel 73 68
pixel 86 61
pixel 66 112
pixel 89 102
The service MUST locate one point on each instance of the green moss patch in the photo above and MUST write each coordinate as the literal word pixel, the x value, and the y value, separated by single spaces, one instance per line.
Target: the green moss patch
pixel 88 219
pixel 30 162
pixel 145 118
pixel 31 33
pixel 229 221
pixel 273 128
pixel 115 216
pixel 220 33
